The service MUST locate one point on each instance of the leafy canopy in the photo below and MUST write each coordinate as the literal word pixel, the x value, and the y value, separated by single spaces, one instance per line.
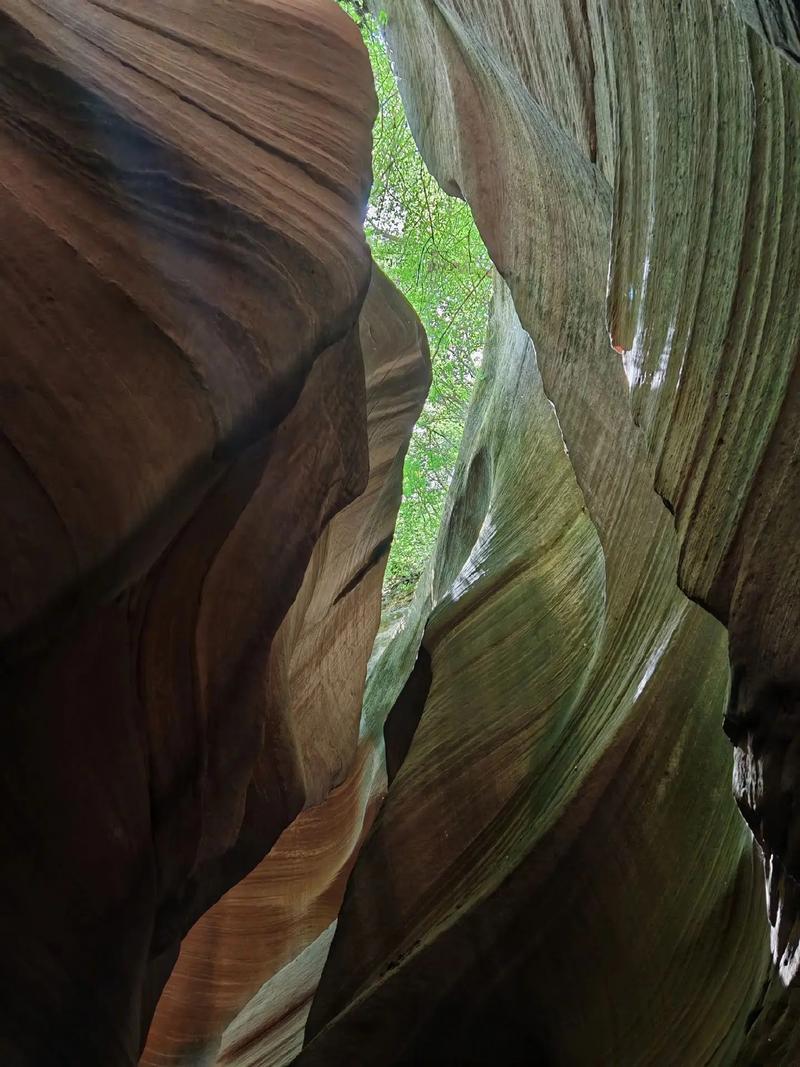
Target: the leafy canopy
pixel 427 243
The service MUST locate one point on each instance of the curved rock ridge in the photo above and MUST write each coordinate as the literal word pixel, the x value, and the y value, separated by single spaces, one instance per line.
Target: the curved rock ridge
pixel 555 121
pixel 182 189
pixel 633 170
pixel 667 133
pixel 568 775
pixel 260 950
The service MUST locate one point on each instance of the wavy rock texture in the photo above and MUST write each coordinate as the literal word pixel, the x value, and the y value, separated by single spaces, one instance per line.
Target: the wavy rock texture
pixel 272 930
pixel 183 411
pixel 567 764
pixel 633 170
pixel 204 466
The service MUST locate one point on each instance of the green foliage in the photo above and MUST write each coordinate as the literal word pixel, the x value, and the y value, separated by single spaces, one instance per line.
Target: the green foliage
pixel 427 243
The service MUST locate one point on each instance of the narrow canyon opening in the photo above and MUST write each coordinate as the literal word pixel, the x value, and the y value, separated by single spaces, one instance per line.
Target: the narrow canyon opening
pixel 427 243
pixel 242 322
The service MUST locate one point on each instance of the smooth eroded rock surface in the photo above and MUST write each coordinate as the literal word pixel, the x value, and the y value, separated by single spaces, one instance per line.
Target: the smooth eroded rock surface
pixel 184 410
pixel 206 395
pixel 261 949
pixel 633 170
pixel 560 849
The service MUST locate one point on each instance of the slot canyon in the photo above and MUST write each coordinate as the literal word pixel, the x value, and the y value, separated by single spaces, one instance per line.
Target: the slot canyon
pixel 552 816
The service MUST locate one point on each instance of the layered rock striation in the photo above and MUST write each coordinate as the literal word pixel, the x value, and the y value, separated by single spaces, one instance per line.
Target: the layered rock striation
pixel 633 170
pixel 258 953
pixel 206 398
pixel 559 849
pixel 776 20
pixel 184 410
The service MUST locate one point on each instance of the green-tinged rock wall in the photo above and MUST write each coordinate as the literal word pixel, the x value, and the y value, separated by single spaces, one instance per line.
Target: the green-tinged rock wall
pixel 559 873
pixel 633 170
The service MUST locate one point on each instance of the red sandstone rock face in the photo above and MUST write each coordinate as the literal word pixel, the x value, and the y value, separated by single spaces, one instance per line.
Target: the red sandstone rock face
pixel 184 411
pixel 273 929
